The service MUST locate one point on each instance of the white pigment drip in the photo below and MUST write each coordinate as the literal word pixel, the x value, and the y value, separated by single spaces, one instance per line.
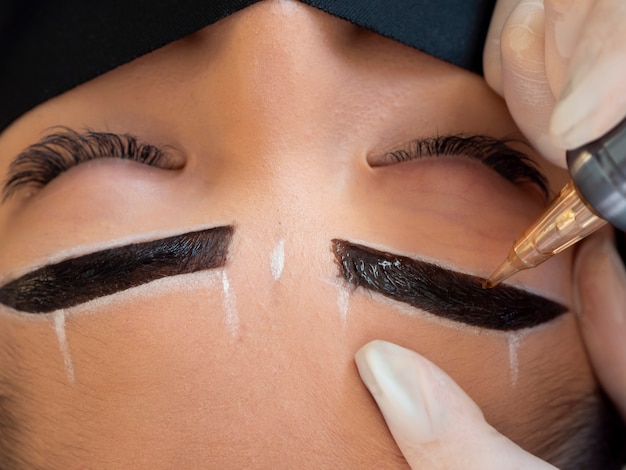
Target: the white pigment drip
pixel 515 341
pixel 59 327
pixel 231 320
pixel 343 303
pixel 277 260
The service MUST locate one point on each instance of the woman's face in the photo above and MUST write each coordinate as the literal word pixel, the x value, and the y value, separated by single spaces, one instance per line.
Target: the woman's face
pixel 276 120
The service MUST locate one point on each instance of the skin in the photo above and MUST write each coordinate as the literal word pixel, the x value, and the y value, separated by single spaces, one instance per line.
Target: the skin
pixel 277 111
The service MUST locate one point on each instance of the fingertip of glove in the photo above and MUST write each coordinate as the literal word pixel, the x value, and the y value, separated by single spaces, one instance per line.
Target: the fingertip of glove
pixel 600 280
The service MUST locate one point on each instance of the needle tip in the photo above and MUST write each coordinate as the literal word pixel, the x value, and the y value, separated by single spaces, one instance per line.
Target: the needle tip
pixel 506 270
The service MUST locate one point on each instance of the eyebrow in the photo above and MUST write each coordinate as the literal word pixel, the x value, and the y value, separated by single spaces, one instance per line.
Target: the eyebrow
pixel 448 294
pixel 78 280
pixel 497 154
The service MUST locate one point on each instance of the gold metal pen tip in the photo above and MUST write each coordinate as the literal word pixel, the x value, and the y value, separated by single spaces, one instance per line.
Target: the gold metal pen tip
pixel 506 270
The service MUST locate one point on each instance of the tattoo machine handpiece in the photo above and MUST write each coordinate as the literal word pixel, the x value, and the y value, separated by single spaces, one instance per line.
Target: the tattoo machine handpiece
pixel 595 195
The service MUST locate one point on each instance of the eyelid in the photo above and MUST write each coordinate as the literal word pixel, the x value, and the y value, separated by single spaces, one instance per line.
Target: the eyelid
pixel 56 153
pixel 497 154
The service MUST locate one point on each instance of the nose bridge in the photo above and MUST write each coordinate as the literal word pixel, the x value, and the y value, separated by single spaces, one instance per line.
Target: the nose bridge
pixel 266 97
pixel 273 74
pixel 263 106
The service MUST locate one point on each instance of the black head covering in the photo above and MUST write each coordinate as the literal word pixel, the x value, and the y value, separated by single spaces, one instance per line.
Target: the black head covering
pixel 47 48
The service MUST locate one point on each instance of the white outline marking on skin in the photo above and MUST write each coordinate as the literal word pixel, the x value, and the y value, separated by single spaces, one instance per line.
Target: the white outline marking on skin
pixel 343 303
pixel 231 319
pixel 277 260
pixel 515 341
pixel 59 328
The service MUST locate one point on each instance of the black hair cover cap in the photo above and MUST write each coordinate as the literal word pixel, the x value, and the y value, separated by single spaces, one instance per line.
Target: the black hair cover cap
pixel 49 47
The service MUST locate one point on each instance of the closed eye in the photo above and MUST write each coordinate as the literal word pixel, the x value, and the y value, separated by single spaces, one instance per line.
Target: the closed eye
pixel 56 153
pixel 497 154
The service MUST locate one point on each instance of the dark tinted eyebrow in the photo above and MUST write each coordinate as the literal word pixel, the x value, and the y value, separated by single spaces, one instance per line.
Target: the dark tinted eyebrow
pixel 78 280
pixel 497 154
pixel 449 294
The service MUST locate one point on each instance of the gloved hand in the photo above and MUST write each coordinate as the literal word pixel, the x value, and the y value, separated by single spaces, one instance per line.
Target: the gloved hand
pixel 434 422
pixel 560 65
pixel 600 303
pixel 437 426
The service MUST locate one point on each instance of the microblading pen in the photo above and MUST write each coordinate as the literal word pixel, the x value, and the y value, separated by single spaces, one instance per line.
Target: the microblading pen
pixel 595 196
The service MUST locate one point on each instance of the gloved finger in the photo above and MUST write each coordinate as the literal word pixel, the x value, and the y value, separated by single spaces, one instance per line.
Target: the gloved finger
pixel 564 24
pixel 594 99
pixel 433 421
pixel 600 302
pixel 525 82
pixel 492 65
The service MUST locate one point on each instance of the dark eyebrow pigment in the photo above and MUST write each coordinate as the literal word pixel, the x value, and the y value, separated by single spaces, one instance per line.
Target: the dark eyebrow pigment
pixel 75 281
pixel 448 294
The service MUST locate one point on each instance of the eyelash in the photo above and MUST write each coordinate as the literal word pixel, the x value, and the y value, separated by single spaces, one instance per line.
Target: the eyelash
pixel 495 153
pixel 58 152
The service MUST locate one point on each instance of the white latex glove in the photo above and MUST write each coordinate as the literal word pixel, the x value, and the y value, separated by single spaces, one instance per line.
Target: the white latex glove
pixel 561 67
pixel 600 303
pixel 434 422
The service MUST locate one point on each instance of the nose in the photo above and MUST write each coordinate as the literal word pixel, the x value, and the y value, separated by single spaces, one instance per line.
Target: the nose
pixel 263 101
pixel 272 69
